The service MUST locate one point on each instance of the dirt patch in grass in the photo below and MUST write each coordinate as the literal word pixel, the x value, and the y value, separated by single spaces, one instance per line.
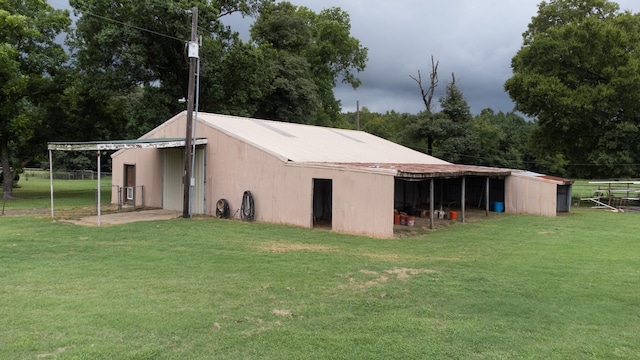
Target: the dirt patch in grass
pixel 284 248
pixel 404 273
pixel 384 276
pixel 286 313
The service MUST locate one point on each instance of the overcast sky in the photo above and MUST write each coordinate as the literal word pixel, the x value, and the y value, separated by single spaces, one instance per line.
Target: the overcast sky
pixel 473 39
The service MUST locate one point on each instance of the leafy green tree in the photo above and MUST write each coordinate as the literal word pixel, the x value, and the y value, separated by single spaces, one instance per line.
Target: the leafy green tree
pixel 29 58
pixel 386 126
pixel 457 143
pixel 312 52
pixel 578 73
pixel 423 130
pixel 133 66
pixel 503 139
pixel 445 134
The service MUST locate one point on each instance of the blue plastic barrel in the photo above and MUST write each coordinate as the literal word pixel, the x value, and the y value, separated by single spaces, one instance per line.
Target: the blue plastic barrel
pixel 498 206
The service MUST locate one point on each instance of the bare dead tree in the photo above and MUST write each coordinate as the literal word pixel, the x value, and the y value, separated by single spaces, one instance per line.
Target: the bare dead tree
pixel 427 94
pixel 427 97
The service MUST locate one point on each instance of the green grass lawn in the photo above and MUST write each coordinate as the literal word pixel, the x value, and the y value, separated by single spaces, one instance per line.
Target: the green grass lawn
pixel 34 192
pixel 503 288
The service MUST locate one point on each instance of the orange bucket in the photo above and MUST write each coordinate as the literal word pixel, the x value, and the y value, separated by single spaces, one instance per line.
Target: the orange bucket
pixel 396 219
pixel 403 219
pixel 453 215
pixel 411 220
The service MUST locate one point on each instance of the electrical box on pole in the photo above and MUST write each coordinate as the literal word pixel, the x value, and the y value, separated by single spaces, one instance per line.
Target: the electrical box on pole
pixel 193 49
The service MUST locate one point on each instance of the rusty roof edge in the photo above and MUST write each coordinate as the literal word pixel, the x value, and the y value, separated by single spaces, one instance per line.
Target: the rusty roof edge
pixel 425 171
pixel 452 174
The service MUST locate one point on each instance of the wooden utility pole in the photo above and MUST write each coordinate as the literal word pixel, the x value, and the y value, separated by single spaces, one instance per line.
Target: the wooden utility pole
pixel 193 59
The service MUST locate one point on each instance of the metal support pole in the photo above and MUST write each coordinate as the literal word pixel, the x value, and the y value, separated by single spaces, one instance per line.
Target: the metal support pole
pixel 51 179
pixel 486 195
pixel 431 206
pixel 464 197
pixel 99 201
pixel 190 102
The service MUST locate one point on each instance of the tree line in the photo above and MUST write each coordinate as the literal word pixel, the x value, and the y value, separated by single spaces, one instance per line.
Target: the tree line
pixel 575 82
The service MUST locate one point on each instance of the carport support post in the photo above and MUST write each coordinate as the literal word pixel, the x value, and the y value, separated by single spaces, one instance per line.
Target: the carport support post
pixel 464 197
pixel 486 197
pixel 51 179
pixel 431 207
pixel 99 202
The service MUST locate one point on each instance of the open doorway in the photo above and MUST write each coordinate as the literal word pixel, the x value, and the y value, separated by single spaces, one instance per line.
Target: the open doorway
pixel 129 190
pixel 322 202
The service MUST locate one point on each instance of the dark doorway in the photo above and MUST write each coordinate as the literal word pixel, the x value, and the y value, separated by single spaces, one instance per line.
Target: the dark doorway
pixel 563 203
pixel 322 202
pixel 129 190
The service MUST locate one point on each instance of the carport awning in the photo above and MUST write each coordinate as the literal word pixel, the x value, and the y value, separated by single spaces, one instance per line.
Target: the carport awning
pixel 121 144
pixel 111 145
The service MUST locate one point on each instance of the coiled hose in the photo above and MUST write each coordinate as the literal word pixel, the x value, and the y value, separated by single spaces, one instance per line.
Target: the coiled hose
pixel 247 210
pixel 222 209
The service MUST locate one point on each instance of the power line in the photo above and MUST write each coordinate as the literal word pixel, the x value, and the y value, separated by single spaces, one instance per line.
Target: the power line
pixel 133 26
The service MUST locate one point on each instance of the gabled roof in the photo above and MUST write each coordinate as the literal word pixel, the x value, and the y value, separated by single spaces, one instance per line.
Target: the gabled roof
pixel 306 143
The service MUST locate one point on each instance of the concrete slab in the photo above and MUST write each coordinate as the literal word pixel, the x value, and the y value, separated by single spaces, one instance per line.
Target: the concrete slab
pixel 127 217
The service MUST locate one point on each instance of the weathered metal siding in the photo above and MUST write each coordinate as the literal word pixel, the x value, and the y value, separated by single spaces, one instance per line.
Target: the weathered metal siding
pixel 199 200
pixel 530 195
pixel 172 185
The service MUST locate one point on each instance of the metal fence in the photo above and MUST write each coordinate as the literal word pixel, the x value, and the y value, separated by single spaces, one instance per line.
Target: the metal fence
pixel 65 175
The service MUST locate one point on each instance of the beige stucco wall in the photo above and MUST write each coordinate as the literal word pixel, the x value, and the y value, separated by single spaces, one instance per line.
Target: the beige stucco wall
pixel 362 201
pixel 148 166
pixel 148 163
pixel 530 195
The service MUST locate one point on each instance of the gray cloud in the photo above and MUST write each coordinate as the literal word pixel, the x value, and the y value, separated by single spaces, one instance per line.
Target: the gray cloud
pixel 473 39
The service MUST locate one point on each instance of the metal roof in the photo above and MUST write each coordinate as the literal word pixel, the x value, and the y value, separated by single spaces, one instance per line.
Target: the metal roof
pixel 306 143
pixel 120 144
pixel 548 178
